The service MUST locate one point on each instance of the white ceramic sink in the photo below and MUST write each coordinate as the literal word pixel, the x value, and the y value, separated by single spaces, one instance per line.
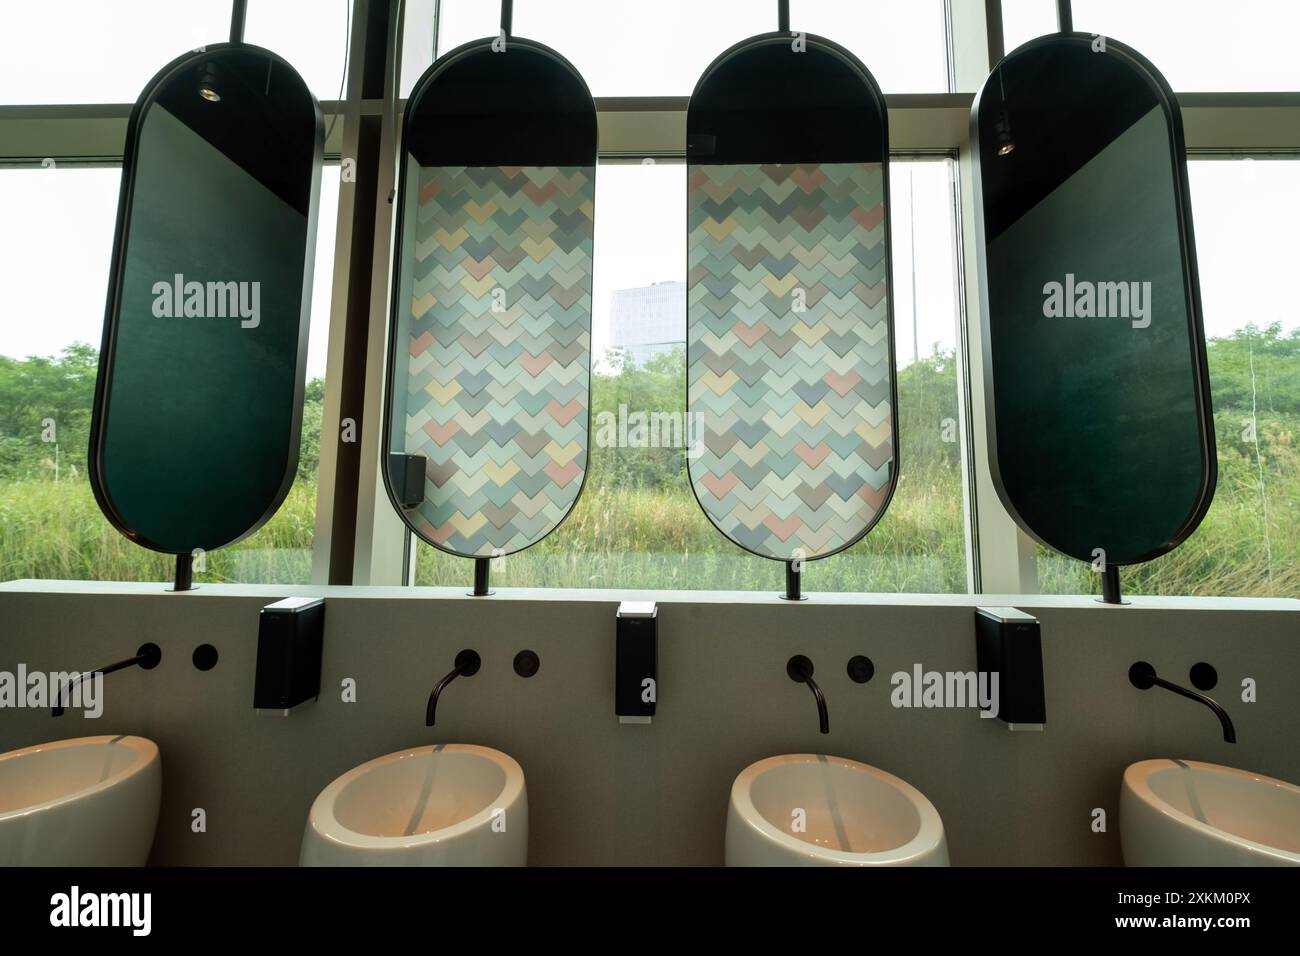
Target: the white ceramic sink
pixel 442 805
pixel 1188 813
pixel 91 801
pixel 816 810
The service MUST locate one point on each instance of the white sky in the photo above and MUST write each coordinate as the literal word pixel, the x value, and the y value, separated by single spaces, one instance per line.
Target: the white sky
pixel 56 225
pixel 105 51
pixel 1217 45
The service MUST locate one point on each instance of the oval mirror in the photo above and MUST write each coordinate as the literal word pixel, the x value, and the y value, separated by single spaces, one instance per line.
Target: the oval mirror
pixel 489 369
pixel 1098 404
pixel 198 402
pixel 790 344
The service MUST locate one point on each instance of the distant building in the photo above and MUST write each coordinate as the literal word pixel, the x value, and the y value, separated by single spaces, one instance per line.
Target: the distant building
pixel 648 320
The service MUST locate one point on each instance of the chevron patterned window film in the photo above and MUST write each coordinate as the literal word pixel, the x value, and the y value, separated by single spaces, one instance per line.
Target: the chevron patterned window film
pixel 788 353
pixel 789 345
pixel 489 372
pixel 498 344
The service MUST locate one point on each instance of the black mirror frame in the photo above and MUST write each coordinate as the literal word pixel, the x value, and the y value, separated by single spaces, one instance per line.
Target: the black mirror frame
pixel 107 353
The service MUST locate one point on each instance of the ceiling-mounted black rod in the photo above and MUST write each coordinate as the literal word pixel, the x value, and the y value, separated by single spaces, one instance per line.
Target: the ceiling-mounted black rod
pixel 507 15
pixel 996 40
pixel 1064 16
pixel 783 16
pixel 238 17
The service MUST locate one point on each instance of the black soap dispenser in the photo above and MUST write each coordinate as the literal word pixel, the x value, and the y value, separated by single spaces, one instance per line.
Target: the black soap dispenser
pixel 636 662
pixel 290 636
pixel 1008 643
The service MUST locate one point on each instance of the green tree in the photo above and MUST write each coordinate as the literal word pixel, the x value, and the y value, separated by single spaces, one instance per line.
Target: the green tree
pixel 655 387
pixel 313 406
pixel 43 398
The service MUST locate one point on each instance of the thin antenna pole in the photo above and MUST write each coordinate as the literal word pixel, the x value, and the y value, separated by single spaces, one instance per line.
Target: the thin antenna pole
pixel 238 16
pixel 911 228
pixel 783 16
pixel 1254 434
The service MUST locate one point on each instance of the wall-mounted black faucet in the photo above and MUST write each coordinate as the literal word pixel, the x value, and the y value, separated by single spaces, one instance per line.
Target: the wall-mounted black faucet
pixel 147 657
pixel 800 670
pixel 467 665
pixel 1143 676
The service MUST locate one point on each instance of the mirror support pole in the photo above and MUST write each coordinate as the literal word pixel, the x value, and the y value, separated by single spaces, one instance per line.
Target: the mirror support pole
pixel 238 17
pixel 783 16
pixel 482 577
pixel 507 16
pixel 793 583
pixel 1110 592
pixel 184 580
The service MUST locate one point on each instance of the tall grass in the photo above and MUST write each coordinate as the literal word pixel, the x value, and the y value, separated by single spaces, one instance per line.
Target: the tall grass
pixel 648 538
pixel 1234 551
pixel 52 529
pixel 627 537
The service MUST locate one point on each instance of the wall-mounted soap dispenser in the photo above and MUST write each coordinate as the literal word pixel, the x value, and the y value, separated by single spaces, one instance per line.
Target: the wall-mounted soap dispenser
pixel 636 666
pixel 1008 643
pixel 290 634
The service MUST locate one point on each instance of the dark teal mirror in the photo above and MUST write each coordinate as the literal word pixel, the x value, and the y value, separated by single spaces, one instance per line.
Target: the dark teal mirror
pixel 489 372
pixel 198 403
pixel 1098 405
pixel 790 343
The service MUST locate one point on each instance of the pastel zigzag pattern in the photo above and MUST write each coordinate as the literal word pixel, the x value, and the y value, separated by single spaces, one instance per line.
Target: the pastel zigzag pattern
pixel 788 343
pixel 500 352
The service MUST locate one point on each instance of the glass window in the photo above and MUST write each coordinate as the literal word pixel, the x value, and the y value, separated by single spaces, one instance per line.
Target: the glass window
pixel 637 523
pixel 89 51
pixel 1233 46
pixel 55 250
pixel 312 35
pixel 1022 20
pixel 1244 213
pixel 660 49
pixel 418 28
